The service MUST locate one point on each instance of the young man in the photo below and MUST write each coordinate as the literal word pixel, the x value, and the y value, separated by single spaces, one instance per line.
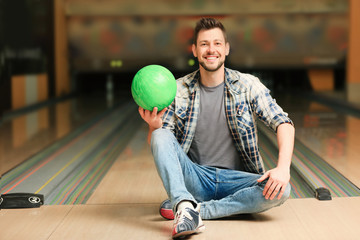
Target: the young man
pixel 205 143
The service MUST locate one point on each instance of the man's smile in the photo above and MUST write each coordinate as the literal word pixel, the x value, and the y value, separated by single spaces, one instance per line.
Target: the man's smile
pixel 211 58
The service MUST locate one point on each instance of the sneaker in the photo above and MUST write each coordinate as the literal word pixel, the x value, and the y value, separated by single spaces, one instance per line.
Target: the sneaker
pixel 187 221
pixel 166 210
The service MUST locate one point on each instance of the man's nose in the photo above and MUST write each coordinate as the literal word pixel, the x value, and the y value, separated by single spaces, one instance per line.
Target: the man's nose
pixel 211 48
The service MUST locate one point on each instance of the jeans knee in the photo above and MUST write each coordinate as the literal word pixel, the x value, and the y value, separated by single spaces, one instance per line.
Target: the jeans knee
pixel 286 194
pixel 277 202
pixel 160 136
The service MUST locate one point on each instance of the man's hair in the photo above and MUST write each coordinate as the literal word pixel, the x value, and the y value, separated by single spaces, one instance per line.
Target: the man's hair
pixel 207 24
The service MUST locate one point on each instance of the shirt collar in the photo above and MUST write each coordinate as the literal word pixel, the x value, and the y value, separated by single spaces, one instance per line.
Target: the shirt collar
pixel 232 81
pixel 193 80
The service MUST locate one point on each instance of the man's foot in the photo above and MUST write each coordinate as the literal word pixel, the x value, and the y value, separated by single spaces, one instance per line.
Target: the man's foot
pixel 166 210
pixel 187 221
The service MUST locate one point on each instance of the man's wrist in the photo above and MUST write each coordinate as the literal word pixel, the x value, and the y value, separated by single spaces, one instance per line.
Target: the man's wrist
pixel 284 167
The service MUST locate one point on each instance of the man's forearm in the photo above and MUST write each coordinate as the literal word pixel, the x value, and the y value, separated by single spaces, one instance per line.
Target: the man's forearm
pixel 151 129
pixel 285 139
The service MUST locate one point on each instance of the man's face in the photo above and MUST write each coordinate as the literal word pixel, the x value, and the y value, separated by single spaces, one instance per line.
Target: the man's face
pixel 211 49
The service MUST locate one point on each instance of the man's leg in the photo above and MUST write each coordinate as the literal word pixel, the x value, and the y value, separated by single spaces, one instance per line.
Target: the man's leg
pixel 180 176
pixel 177 173
pixel 221 192
pixel 239 193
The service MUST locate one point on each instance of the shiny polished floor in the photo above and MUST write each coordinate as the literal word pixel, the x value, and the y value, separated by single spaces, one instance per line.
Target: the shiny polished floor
pixel 332 135
pixel 125 204
pixel 21 136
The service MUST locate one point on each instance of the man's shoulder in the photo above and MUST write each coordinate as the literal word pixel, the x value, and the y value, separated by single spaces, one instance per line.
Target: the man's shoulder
pixel 187 79
pixel 240 79
pixel 186 84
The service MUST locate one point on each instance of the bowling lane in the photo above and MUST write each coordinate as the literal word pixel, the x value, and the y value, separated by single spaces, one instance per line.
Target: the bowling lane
pixel 22 136
pixel 332 135
pixel 135 175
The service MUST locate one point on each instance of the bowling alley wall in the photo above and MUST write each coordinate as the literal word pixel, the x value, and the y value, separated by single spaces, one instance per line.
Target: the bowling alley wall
pixel 26 53
pixel 125 35
pixel 88 38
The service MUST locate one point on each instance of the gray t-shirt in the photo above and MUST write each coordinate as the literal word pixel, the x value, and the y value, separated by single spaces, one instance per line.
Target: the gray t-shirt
pixel 213 144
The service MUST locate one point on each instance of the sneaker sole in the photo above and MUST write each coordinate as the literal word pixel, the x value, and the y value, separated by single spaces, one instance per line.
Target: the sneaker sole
pixel 167 214
pixel 186 233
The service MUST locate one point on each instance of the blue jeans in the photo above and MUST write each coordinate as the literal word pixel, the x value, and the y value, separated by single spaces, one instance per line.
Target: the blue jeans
pixel 220 192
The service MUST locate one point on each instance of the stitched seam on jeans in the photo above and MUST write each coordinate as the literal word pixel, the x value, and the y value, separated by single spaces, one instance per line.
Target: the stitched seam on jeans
pixel 216 183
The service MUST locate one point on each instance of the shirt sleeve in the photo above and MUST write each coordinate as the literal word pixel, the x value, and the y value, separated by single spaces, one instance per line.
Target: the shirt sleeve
pixel 169 118
pixel 265 106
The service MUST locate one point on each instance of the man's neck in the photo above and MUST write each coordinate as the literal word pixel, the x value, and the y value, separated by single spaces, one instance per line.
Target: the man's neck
pixel 212 79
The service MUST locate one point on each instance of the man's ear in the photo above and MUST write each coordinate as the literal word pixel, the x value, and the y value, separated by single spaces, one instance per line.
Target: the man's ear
pixel 193 47
pixel 227 46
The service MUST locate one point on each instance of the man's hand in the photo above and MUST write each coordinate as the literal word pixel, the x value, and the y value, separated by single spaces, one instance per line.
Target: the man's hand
pixel 152 118
pixel 277 181
pixel 279 177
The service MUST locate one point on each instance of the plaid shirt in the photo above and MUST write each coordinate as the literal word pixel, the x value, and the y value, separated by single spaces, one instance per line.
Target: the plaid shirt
pixel 245 98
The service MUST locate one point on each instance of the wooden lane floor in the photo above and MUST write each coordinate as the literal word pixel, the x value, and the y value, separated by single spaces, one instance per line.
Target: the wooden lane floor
pixel 332 135
pixel 296 219
pixel 24 134
pixel 125 206
pixel 133 177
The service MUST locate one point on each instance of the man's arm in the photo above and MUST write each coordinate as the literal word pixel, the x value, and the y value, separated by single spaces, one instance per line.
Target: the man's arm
pixel 279 177
pixel 153 119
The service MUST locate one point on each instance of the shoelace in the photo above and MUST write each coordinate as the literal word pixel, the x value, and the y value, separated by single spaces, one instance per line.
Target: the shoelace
pixel 180 216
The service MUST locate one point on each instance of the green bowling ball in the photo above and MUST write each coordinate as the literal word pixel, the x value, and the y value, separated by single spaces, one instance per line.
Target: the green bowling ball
pixel 153 86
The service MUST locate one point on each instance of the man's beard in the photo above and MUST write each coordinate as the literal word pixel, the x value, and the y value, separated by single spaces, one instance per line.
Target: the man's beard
pixel 211 69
